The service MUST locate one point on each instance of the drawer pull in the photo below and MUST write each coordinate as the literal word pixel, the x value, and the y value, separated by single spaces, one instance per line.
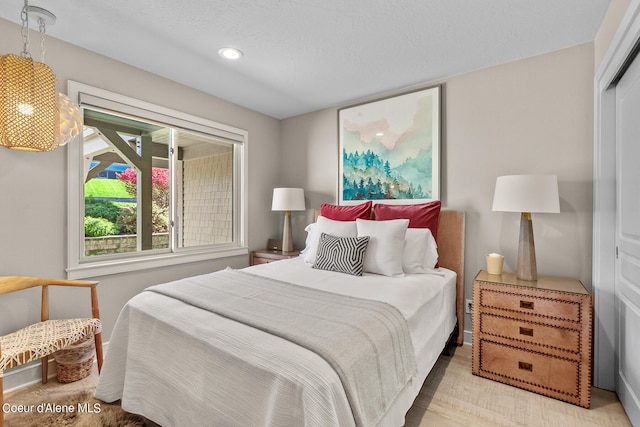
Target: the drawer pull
pixel 526 304
pixel 525 366
pixel 526 331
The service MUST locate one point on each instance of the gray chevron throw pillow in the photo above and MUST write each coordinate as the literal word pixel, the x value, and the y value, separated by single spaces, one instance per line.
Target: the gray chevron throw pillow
pixel 341 254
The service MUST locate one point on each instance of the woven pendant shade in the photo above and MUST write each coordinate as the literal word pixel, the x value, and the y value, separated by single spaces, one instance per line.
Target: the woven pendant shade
pixel 29 118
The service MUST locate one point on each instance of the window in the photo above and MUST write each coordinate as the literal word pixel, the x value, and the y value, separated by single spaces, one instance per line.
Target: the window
pixel 149 186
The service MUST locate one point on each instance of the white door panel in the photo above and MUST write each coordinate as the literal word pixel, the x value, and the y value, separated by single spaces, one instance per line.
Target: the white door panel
pixel 628 168
pixel 630 271
pixel 627 284
pixel 629 247
pixel 628 364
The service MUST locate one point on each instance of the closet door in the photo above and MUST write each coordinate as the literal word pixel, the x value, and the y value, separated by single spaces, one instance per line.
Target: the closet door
pixel 627 282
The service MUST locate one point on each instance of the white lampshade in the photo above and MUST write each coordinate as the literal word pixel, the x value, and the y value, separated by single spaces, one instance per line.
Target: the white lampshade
pixel 288 199
pixel 527 193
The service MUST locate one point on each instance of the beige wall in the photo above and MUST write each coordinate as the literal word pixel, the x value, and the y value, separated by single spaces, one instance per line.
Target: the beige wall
pixel 33 195
pixel 528 116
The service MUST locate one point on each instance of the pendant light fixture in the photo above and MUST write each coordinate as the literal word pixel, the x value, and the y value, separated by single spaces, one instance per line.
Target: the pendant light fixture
pixel 33 116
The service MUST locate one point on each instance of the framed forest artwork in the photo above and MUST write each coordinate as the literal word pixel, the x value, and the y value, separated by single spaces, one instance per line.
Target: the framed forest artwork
pixel 390 149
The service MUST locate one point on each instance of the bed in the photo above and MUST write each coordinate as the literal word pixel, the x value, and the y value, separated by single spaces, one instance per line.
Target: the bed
pixel 179 355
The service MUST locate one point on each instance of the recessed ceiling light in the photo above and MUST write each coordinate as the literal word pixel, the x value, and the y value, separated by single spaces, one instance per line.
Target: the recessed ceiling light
pixel 231 53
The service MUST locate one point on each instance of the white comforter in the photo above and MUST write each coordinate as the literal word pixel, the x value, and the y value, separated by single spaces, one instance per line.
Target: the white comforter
pixel 179 365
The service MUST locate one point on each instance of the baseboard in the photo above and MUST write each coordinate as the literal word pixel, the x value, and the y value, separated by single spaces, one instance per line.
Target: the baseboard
pixel 26 375
pixel 467 338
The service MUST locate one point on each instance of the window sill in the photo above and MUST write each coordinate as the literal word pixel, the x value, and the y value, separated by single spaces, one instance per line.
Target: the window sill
pixel 107 267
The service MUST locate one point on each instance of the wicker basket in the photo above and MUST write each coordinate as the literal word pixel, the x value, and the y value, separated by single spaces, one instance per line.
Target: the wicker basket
pixel 76 361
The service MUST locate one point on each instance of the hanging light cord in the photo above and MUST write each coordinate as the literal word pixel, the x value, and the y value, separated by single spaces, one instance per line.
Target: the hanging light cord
pixel 43 31
pixel 25 30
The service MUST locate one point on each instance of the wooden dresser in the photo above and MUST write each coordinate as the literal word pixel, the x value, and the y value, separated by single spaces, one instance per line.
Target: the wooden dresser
pixel 270 255
pixel 534 335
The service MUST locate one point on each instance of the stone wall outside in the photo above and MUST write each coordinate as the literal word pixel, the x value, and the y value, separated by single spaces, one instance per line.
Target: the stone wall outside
pixel 120 244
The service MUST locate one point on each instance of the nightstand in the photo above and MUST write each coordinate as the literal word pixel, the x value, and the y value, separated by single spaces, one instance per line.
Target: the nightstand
pixel 264 256
pixel 534 335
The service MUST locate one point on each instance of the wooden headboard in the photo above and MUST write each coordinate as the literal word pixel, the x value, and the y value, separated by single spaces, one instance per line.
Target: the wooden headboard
pixel 451 256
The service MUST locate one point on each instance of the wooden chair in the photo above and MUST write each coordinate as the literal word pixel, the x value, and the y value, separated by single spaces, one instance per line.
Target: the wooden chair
pixel 42 339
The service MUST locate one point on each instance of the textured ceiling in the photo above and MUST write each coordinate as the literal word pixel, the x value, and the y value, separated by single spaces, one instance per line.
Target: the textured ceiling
pixel 306 55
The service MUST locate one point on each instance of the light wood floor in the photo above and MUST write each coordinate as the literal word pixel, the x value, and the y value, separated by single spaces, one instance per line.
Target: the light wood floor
pixel 451 396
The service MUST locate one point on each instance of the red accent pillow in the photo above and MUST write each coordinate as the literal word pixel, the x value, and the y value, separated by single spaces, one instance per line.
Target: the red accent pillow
pixel 424 215
pixel 346 213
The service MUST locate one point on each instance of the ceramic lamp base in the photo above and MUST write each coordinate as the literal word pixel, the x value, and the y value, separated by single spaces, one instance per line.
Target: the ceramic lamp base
pixel 287 236
pixel 526 269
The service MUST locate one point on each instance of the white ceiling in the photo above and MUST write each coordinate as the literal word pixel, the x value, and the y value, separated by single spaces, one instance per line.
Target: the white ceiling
pixel 306 55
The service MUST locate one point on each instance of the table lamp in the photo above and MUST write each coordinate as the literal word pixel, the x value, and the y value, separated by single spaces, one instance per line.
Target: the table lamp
pixel 287 200
pixel 526 194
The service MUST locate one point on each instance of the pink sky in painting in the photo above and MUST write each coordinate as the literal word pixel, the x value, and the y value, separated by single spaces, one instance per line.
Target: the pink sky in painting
pixel 393 118
pixel 368 132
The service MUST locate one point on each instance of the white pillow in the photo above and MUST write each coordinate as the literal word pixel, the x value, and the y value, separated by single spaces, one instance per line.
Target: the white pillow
pixel 386 245
pixel 328 226
pixel 311 233
pixel 415 250
pixel 420 251
pixel 432 252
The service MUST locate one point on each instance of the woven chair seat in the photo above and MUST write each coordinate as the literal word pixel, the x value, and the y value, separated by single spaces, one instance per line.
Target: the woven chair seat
pixel 43 339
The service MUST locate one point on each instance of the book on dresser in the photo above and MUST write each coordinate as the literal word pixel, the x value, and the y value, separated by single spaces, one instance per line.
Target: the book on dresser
pixel 535 335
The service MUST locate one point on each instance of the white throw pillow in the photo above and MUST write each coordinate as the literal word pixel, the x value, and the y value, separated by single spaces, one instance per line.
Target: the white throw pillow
pixel 386 245
pixel 420 251
pixel 328 226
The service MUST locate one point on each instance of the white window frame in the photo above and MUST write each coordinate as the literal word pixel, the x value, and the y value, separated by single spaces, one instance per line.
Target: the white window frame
pixel 79 266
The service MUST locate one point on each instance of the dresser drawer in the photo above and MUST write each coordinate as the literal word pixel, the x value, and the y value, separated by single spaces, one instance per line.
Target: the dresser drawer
pixel 267 256
pixel 533 371
pixel 533 305
pixel 259 260
pixel 534 333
